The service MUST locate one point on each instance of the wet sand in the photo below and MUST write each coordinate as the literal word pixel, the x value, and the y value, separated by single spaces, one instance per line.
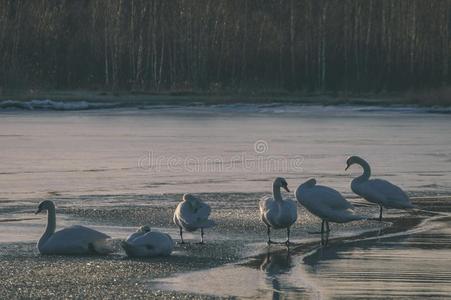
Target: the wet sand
pixel 235 260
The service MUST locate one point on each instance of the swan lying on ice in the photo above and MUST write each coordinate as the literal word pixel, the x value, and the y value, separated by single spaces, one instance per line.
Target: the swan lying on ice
pixel 71 240
pixel 147 243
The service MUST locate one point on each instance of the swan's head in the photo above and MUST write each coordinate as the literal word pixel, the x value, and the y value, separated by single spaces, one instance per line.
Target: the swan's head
pixel 281 183
pixel 353 160
pixel 189 197
pixel 45 205
pixel 144 228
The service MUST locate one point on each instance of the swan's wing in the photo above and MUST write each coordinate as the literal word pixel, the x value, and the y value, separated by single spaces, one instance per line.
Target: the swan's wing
pixel 150 239
pixel 135 235
pixel 268 209
pixel 289 212
pixel 183 213
pixel 193 216
pixel 265 204
pixel 331 198
pixel 197 207
pixel 76 240
pixel 150 244
pixel 177 214
pixel 327 204
pixel 394 196
pixel 79 233
pixel 369 192
pixel 203 209
pixel 202 215
pixel 319 195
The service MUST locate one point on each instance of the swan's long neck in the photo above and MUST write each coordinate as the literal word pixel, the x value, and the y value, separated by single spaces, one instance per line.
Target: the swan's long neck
pixel 50 229
pixel 366 171
pixel 276 192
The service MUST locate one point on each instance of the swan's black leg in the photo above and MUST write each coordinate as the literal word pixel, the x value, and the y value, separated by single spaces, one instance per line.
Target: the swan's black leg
pixel 324 239
pixel 269 237
pixel 327 226
pixel 288 236
pixel 322 227
pixel 380 214
pixel 181 235
pixel 201 235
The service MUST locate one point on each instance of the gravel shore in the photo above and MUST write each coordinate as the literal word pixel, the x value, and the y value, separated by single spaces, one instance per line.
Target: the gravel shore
pixel 239 235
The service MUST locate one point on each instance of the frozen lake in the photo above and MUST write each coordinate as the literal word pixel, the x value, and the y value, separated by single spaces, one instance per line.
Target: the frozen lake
pixel 236 148
pixel 117 168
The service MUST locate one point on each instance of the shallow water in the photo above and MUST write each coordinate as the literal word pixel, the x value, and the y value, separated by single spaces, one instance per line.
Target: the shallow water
pixel 403 262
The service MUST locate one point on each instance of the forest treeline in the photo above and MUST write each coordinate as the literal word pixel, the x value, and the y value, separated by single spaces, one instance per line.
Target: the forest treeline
pixel 157 45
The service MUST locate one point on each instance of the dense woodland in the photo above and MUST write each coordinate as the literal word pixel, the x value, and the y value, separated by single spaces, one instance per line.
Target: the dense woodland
pixel 214 45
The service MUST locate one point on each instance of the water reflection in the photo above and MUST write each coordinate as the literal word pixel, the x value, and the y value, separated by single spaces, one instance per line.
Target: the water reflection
pixel 321 254
pixel 408 260
pixel 274 264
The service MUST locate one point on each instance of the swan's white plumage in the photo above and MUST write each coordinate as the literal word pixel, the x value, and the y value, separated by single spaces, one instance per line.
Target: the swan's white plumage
pixel 71 240
pixel 275 211
pixel 325 202
pixel 379 191
pixel 147 243
pixel 192 213
pixel 278 214
pixel 76 239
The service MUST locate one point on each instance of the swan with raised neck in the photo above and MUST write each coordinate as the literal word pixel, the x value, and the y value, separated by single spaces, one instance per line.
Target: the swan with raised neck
pixel 51 221
pixel 361 162
pixel 378 191
pixel 276 212
pixel 279 183
pixel 71 240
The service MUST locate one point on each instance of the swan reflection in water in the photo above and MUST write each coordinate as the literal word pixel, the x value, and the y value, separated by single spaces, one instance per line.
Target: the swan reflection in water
pixel 274 264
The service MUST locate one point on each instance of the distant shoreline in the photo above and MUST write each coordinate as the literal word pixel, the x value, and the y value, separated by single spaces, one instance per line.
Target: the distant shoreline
pixel 425 99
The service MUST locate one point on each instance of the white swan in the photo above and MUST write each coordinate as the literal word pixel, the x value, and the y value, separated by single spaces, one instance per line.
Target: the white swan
pixel 192 214
pixel 71 240
pixel 147 243
pixel 378 191
pixel 276 212
pixel 325 203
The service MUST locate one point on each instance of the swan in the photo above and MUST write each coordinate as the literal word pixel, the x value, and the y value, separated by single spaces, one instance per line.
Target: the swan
pixel 192 214
pixel 378 191
pixel 276 212
pixel 71 240
pixel 325 203
pixel 147 243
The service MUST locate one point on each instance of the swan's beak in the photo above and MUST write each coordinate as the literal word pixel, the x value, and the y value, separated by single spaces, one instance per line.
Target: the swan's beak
pixel 38 211
pixel 347 167
pixel 286 189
